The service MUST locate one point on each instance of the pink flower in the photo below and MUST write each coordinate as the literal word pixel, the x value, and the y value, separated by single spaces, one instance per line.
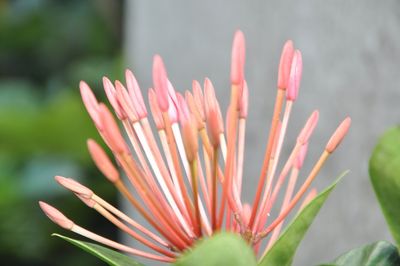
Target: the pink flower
pixel 178 181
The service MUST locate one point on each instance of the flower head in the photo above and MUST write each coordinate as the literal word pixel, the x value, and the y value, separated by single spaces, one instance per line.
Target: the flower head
pixel 189 186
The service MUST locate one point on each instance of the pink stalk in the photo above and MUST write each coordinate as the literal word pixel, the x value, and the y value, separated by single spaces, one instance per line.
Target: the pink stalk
pixel 332 144
pixel 190 140
pixel 130 221
pixel 303 138
pixel 223 146
pixel 160 225
pixel 267 156
pixel 104 164
pixel 182 154
pixel 151 153
pixel 175 182
pixel 105 241
pixel 128 107
pixel 168 156
pixel 60 219
pixel 106 214
pixel 208 172
pixel 167 153
pixel 283 78
pixel 229 167
pixel 274 162
pixel 129 231
pixel 148 176
pixel 184 112
pixel 292 82
pixel 262 217
pixel 160 81
pixel 136 177
pixel 289 192
pixel 309 197
pixel 154 148
pixel 162 177
pixel 138 151
pixel 206 196
pixel 243 106
pixel 298 195
pixel 281 179
pixel 175 159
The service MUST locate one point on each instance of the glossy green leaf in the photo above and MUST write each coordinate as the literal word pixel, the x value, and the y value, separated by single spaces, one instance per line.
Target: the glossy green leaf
pixel 109 256
pixel 284 249
pixel 384 170
pixel 379 253
pixel 221 249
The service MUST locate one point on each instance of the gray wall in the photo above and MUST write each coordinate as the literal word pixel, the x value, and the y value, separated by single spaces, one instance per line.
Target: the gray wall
pixel 351 55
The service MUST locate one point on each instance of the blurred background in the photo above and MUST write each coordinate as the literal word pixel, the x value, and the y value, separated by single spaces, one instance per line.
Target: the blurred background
pixel 46 48
pixel 351 55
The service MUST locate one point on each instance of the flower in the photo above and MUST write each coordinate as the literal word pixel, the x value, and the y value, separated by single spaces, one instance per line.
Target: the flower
pixel 190 185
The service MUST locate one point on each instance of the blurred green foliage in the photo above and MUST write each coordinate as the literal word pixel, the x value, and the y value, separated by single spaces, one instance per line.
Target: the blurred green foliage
pixel 46 48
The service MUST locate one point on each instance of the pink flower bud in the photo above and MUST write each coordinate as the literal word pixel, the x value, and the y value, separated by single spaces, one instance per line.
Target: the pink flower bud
pixel 155 110
pixel 238 58
pixel 209 95
pixel 214 127
pixel 160 83
pixel 189 131
pixel 295 77
pixel 125 102
pixel 74 186
pixel 298 162
pixel 285 65
pixel 173 104
pixel 56 216
pixel 308 128
pixel 111 131
pixel 338 136
pixel 102 161
pixel 194 109
pixel 112 98
pixel 199 98
pixel 135 94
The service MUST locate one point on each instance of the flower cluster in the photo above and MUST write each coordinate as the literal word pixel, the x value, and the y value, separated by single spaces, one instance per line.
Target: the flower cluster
pixel 189 173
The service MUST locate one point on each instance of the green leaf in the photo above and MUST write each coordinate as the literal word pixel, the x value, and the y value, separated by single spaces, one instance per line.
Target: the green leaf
pixel 384 170
pixel 221 249
pixel 284 249
pixel 110 256
pixel 379 253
